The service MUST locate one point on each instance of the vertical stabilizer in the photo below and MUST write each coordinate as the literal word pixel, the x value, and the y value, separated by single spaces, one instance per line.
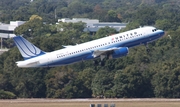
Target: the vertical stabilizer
pixel 27 49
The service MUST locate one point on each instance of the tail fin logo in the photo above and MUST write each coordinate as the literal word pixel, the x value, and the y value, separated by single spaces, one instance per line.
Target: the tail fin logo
pixel 27 49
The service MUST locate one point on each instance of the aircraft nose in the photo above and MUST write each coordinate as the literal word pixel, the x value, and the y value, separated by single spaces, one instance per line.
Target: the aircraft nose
pixel 162 32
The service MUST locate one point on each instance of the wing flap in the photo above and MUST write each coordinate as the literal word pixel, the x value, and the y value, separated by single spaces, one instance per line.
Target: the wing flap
pixel 67 46
pixel 99 52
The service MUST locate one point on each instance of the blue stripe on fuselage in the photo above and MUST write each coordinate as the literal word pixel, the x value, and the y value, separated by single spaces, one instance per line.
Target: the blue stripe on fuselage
pixel 71 59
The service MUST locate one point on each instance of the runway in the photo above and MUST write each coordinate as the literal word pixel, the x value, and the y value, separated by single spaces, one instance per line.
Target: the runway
pixel 42 100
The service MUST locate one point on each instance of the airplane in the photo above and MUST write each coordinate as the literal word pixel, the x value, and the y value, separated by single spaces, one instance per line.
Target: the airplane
pixel 109 47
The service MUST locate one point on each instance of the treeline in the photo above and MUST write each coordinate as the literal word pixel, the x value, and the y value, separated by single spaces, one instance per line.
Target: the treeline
pixel 140 74
pixel 51 10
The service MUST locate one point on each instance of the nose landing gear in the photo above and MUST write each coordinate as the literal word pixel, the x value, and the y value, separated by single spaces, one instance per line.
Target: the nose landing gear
pixel 147 47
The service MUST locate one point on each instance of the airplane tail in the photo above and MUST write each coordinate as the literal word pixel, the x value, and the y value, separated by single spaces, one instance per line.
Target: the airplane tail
pixel 27 49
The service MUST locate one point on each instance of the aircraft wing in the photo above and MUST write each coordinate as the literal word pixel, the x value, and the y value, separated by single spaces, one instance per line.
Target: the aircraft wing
pixel 97 53
pixel 67 46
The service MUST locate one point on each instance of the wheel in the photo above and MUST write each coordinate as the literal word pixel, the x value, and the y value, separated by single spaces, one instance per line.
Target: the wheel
pixel 148 50
pixel 95 62
pixel 102 63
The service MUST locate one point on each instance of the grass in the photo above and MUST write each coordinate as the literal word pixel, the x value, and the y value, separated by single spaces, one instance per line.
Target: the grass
pixel 6 103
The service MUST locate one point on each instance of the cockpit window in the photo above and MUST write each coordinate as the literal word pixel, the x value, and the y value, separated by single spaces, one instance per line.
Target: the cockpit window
pixel 154 30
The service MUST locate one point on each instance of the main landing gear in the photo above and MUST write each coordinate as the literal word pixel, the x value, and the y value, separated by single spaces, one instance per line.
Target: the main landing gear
pixel 97 62
pixel 147 48
pixel 100 62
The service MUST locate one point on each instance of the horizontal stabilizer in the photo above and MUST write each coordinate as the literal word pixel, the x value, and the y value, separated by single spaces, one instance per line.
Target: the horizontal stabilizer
pixel 67 46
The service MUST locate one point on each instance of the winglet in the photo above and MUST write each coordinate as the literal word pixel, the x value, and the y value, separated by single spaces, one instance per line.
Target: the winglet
pixel 27 49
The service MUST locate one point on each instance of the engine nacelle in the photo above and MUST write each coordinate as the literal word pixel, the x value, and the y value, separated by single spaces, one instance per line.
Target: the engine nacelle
pixel 120 52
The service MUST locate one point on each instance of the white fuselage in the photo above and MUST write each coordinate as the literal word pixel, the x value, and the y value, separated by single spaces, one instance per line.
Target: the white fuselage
pixel 86 51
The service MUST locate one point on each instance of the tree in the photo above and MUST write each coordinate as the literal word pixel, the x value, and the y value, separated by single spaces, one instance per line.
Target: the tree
pixel 86 76
pixel 34 27
pixel 102 84
pixel 79 8
pixel 106 31
pixel 112 16
pixel 131 83
pixel 163 24
pixel 166 84
pixel 59 83
pixel 35 17
pixel 146 16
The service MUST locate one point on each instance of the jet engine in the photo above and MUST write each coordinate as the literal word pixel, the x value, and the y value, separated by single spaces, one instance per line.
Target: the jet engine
pixel 120 52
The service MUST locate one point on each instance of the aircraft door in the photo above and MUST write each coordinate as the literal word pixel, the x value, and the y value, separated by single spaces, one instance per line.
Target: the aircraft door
pixel 50 60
